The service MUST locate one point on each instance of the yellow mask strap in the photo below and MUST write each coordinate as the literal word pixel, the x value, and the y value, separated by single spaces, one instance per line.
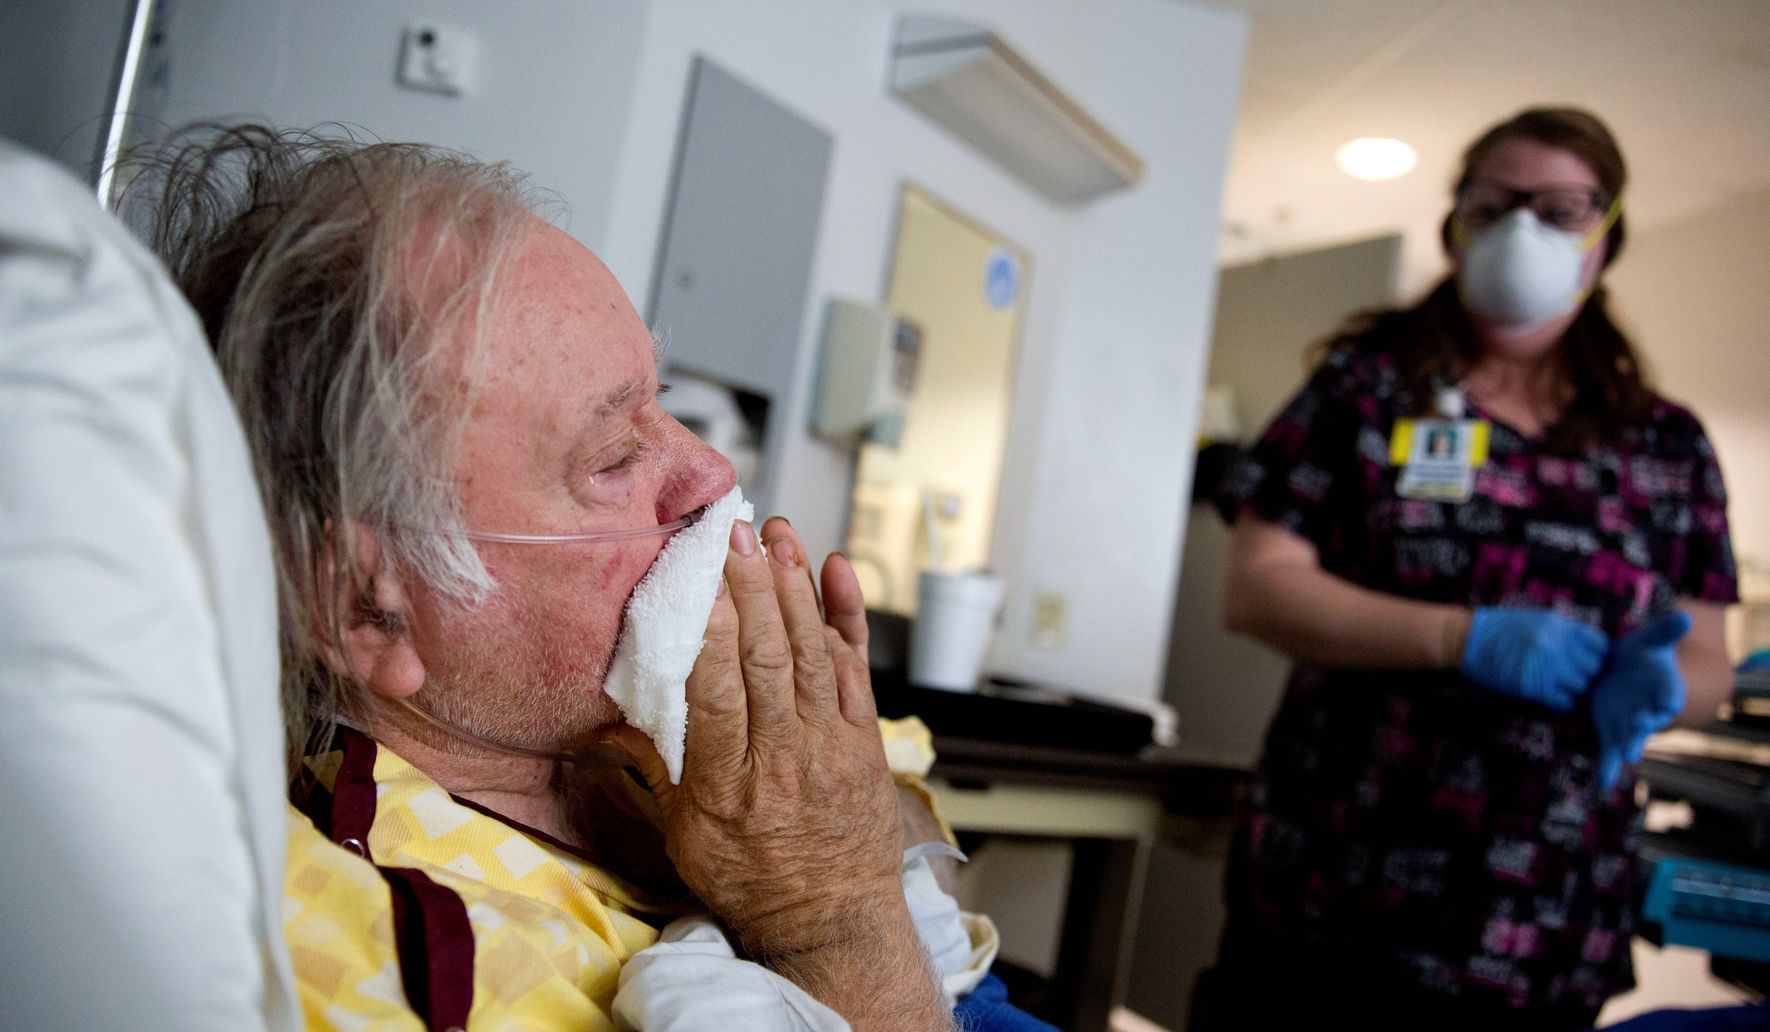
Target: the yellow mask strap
pixel 1459 233
pixel 1590 240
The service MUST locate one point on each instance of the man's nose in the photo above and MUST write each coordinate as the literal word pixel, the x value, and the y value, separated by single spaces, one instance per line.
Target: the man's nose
pixel 698 475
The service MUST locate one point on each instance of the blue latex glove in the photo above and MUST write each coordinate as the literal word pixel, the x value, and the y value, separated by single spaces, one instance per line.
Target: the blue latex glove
pixel 1641 691
pixel 1533 654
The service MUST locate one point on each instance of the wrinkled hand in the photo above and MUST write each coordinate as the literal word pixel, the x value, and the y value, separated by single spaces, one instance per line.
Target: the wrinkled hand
pixel 1533 654
pixel 786 820
pixel 1640 692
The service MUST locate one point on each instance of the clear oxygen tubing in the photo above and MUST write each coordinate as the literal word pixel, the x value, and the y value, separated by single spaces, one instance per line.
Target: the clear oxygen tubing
pixel 462 733
pixel 555 539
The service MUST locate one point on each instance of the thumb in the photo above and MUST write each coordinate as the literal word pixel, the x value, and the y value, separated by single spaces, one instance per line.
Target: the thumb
pixel 1667 630
pixel 637 746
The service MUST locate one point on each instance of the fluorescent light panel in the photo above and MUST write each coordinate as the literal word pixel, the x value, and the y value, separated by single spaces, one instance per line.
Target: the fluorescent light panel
pixel 971 81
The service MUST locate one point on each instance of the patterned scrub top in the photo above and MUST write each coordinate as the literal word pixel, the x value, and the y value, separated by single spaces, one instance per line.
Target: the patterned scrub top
pixel 1450 836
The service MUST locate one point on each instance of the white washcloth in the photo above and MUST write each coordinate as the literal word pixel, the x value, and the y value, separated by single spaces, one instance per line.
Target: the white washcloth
pixel 665 627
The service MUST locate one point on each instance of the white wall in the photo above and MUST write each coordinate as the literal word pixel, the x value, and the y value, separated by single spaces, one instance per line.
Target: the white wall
pixel 588 98
pixel 552 98
pixel 1111 465
pixel 1120 296
pixel 1693 296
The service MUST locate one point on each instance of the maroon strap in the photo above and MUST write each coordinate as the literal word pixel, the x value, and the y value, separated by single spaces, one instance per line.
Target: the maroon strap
pixel 430 925
pixel 435 940
pixel 353 792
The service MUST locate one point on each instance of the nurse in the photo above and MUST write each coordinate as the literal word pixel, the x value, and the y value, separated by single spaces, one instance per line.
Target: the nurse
pixel 1499 561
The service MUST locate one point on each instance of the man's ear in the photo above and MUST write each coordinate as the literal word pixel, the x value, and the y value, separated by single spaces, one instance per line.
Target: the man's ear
pixel 365 629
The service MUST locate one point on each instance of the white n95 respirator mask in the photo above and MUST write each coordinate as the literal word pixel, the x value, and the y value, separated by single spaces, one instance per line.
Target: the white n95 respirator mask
pixel 1519 273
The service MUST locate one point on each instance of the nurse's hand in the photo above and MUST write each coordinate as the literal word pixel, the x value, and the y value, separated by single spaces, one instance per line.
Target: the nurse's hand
pixel 1533 654
pixel 1640 692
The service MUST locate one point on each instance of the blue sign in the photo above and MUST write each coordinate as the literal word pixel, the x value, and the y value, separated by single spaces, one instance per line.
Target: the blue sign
pixel 1001 279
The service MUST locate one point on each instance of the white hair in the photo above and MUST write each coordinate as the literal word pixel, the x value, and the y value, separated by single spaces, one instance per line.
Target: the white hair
pixel 334 278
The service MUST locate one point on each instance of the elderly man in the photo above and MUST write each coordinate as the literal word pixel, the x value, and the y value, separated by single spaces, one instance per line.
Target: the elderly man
pixel 428 373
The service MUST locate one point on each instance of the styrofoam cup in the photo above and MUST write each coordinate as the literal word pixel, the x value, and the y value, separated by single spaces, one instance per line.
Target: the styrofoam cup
pixel 955 616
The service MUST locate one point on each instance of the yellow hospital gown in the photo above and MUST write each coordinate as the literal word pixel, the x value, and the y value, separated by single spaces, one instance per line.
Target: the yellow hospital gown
pixel 408 909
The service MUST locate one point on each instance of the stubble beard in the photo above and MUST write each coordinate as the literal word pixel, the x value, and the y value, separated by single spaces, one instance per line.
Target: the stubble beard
pixel 505 682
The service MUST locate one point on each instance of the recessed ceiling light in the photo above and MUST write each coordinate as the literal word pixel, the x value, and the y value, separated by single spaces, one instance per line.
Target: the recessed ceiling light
pixel 1376 158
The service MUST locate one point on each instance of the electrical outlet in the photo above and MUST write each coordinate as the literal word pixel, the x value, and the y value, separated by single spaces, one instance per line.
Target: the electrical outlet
pixel 1050 613
pixel 438 58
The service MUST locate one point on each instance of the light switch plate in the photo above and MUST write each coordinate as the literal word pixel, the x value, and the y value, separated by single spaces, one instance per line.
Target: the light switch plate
pixel 1050 612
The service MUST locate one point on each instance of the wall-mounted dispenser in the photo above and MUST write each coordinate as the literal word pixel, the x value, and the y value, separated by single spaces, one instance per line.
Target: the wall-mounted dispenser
pixel 870 358
pixel 729 318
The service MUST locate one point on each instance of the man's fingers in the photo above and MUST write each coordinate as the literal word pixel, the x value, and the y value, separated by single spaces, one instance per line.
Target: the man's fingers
pixel 718 712
pixel 633 743
pixel 854 682
pixel 763 649
pixel 845 612
pixel 844 607
pixel 814 676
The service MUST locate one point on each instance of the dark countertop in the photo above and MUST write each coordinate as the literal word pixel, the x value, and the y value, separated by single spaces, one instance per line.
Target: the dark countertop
pixel 1016 735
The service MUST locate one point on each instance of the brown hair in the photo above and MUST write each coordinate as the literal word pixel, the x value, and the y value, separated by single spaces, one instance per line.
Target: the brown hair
pixel 1434 340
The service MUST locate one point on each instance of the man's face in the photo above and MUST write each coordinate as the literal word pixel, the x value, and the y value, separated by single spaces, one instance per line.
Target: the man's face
pixel 564 435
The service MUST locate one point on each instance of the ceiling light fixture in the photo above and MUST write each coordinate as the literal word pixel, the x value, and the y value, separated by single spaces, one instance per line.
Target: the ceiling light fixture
pixel 1375 158
pixel 966 77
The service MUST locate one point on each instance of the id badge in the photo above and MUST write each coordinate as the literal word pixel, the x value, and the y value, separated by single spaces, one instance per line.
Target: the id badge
pixel 1438 457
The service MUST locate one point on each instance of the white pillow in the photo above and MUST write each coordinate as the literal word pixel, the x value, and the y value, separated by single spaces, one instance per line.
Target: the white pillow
pixel 141 780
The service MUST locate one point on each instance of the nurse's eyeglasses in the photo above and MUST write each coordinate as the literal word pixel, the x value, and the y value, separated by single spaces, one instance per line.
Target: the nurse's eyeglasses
pixel 1570 208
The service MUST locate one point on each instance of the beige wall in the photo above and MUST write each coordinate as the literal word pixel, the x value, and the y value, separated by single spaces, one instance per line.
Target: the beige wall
pixel 1270 312
pixel 1696 297
pixel 1224 686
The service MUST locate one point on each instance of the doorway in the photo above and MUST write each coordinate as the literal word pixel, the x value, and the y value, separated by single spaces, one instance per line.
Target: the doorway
pixel 927 498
